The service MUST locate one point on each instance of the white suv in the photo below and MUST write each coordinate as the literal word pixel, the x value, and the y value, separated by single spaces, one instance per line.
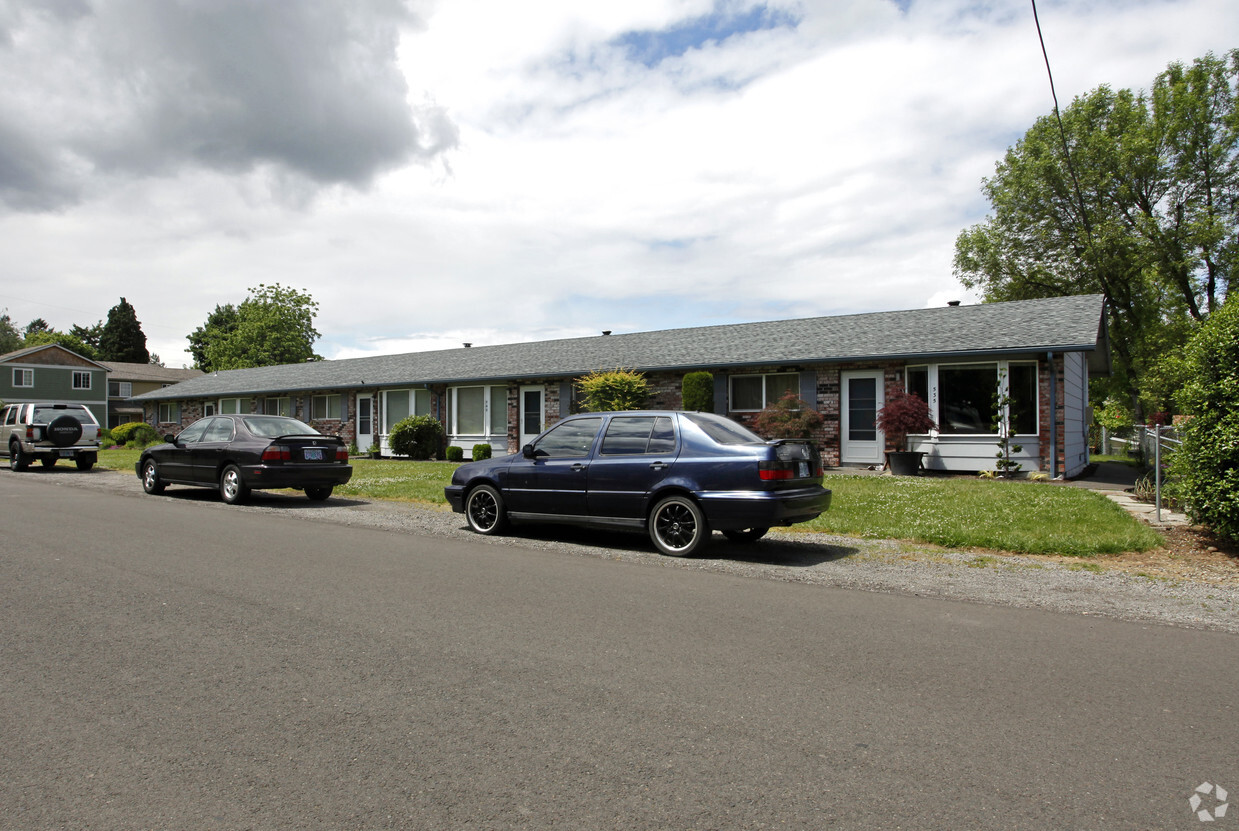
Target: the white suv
pixel 48 432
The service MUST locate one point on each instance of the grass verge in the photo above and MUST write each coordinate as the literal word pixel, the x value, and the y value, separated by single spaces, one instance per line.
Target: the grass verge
pixel 1022 517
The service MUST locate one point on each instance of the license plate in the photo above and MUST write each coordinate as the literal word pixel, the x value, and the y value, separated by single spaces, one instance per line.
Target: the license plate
pixel 66 454
pixel 313 454
pixel 803 470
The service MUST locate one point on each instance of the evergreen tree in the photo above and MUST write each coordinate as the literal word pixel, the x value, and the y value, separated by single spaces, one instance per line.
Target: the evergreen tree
pixel 122 338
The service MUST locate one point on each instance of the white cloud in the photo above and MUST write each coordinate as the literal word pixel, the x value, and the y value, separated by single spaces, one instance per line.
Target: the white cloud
pixel 816 168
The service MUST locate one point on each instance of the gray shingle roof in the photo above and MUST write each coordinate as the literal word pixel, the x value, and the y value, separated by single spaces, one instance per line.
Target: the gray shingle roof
pixel 1060 324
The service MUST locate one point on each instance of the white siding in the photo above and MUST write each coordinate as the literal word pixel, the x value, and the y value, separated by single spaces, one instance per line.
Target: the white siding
pixel 1075 413
pixel 972 454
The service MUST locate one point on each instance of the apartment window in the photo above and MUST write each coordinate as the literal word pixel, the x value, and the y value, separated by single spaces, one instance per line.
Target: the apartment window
pixel 120 389
pixel 277 406
pixel 23 377
pixel 751 393
pixel 324 407
pixel 968 397
pixel 169 412
pixel 230 406
pixel 477 411
pixel 81 380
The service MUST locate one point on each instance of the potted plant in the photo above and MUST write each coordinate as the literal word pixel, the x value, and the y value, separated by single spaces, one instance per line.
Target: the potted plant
pixel 904 414
pixel 376 452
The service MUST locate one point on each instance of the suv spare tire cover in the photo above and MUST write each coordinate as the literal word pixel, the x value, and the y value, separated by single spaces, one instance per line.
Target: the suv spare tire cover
pixel 64 431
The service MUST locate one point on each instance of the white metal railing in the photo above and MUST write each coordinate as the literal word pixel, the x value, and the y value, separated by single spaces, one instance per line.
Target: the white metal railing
pixel 1157 442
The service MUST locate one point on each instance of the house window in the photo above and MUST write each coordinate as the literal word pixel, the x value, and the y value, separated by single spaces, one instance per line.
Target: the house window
pixel 477 411
pixel 169 412
pixel 230 406
pixel 751 393
pixel 968 397
pixel 325 406
pixel 918 382
pixel 120 389
pixel 277 406
pixel 23 377
pixel 400 404
pixel 81 380
pixel 208 409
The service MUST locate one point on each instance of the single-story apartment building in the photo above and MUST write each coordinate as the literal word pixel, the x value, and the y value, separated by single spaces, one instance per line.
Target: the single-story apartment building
pixel 1042 353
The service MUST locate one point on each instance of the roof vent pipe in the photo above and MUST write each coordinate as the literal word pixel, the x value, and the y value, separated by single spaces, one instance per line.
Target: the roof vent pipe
pixel 467 345
pixel 606 332
pixel 952 302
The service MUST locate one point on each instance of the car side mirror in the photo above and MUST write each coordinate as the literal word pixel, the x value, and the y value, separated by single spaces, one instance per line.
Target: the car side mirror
pixel 170 439
pixel 528 452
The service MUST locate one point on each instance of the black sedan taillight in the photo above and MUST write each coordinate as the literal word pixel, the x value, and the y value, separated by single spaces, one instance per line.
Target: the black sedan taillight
pixel 277 453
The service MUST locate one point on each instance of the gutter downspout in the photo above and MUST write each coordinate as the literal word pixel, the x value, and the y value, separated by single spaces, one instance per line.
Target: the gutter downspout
pixel 1053 417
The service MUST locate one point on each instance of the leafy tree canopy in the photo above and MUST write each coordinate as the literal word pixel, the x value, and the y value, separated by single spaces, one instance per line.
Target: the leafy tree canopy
pixel 10 338
pixel 274 325
pixel 1137 197
pixel 65 339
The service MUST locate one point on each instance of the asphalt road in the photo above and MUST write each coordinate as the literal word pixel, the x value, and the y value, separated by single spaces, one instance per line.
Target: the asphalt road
pixel 170 663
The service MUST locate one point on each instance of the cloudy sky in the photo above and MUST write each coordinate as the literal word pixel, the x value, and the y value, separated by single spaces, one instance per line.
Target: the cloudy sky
pixel 493 171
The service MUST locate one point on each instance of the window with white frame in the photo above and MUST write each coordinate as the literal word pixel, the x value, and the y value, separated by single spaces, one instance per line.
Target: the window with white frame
pixel 169 412
pixel 208 409
pixel 751 393
pixel 81 380
pixel 120 389
pixel 281 406
pixel 477 411
pixel 324 407
pixel 400 404
pixel 23 377
pixel 963 398
pixel 230 406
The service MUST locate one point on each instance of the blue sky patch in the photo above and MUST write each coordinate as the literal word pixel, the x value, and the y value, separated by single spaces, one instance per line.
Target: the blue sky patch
pixel 652 47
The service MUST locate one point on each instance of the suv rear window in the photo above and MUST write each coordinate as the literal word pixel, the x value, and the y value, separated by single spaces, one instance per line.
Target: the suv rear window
pixel 46 414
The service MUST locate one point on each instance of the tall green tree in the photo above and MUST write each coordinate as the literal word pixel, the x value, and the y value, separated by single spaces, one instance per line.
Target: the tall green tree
pixel 10 338
pixel 219 324
pixel 122 338
pixel 1134 197
pixel 274 325
pixel 68 341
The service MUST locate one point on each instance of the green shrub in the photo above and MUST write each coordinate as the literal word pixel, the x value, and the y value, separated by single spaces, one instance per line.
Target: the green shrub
pixel 1207 464
pixel 481 451
pixel 454 454
pixel 105 437
pixel 618 389
pixel 698 392
pixel 135 434
pixel 418 437
pixel 788 418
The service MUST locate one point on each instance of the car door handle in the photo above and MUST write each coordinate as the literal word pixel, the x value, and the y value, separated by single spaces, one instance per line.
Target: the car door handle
pixel 658 466
pixel 578 467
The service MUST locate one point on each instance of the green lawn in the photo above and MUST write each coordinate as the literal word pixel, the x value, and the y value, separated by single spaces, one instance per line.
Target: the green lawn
pixel 1024 517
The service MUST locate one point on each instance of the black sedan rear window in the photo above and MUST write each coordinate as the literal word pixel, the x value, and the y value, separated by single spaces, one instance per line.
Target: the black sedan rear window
pixel 272 427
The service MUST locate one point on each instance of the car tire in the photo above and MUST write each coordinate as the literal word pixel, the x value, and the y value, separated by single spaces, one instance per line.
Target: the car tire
pixel 745 534
pixel 232 487
pixel 17 459
pixel 319 494
pixel 485 511
pixel 151 483
pixel 677 526
pixel 85 462
pixel 47 461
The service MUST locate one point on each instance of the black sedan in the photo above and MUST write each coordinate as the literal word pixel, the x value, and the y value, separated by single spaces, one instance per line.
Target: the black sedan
pixel 240 453
pixel 676 475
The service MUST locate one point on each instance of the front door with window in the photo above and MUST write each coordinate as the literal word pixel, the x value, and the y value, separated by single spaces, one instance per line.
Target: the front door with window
pixel 861 442
pixel 365 422
pixel 533 405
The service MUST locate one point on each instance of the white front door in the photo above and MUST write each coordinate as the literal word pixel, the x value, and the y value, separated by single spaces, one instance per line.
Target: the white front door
pixel 861 442
pixel 365 422
pixel 533 409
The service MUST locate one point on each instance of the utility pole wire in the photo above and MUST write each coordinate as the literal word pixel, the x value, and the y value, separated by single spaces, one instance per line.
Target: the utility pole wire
pixel 1062 131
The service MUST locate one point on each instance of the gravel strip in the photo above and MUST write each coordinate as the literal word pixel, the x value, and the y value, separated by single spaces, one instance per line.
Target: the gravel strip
pixel 794 557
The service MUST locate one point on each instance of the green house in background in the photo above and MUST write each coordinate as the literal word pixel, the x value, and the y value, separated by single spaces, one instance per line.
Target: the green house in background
pixel 53 373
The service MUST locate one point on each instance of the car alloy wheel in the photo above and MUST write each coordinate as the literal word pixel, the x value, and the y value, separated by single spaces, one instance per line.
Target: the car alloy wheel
pixel 151 483
pixel 232 487
pixel 677 526
pixel 484 510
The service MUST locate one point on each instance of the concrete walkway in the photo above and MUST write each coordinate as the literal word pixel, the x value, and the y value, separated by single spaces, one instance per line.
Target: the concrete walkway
pixel 1116 482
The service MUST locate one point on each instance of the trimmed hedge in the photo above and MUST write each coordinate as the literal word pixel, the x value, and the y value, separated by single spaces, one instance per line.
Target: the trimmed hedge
pixel 481 451
pixel 135 433
pixel 698 392
pixel 418 437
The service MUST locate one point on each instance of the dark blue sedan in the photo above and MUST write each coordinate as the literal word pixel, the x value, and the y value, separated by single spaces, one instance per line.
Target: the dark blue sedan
pixel 676 475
